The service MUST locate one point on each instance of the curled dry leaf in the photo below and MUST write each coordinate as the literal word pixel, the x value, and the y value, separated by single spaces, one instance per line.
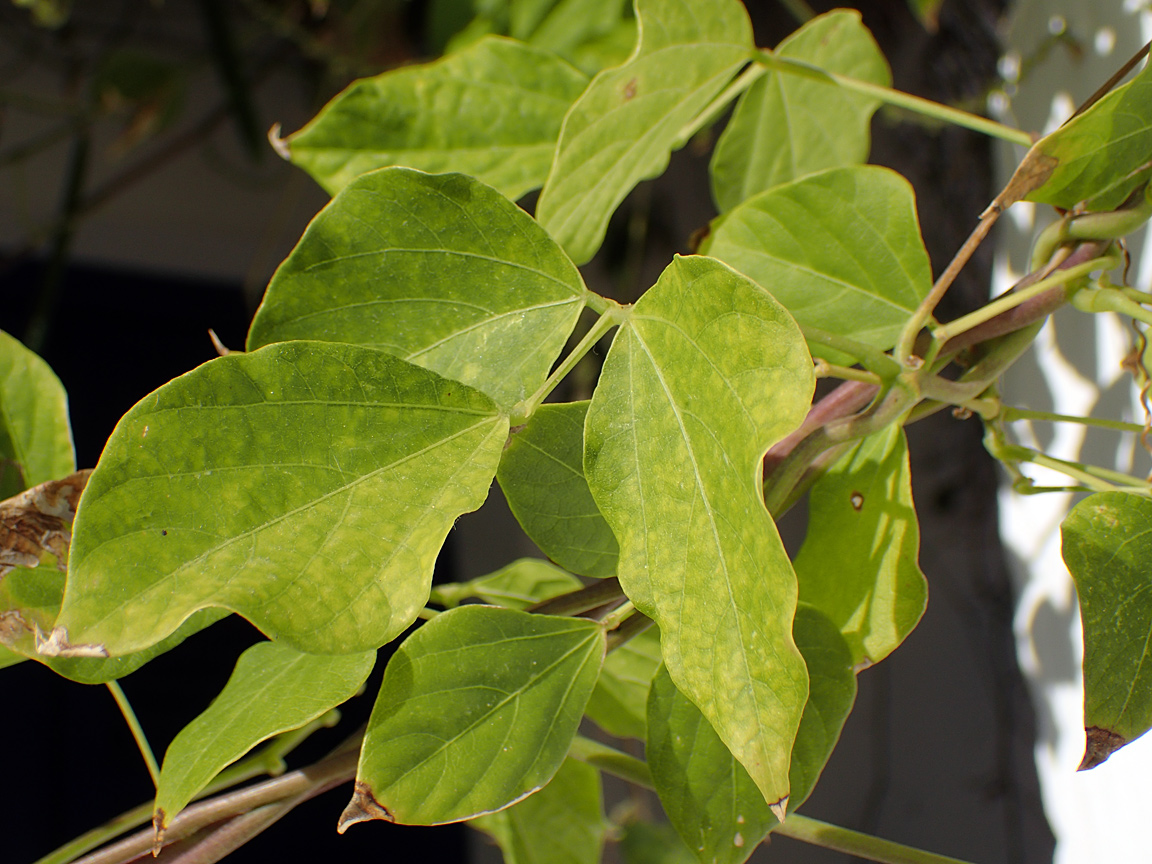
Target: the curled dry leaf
pixel 37 521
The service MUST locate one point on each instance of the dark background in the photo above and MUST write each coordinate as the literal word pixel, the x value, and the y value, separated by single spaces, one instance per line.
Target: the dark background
pixel 937 753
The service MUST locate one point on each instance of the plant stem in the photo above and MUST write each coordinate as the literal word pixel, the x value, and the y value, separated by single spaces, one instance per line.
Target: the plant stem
pixel 633 770
pixel 917 104
pixel 589 597
pixel 269 760
pixel 137 732
pixel 331 771
pixel 912 328
pixel 854 843
pixel 713 108
pixel 824 369
pixel 618 615
pixel 611 761
pixel 630 627
pixel 1010 414
pixel 1010 301
pixel 872 359
pixel 612 316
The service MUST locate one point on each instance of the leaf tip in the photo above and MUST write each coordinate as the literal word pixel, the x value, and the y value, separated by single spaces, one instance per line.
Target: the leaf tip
pixel 159 825
pixel 780 809
pixel 280 145
pixel 362 808
pixel 1101 743
pixel 56 644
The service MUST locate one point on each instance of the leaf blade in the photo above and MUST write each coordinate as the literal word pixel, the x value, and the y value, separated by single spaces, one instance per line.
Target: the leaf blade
pixel 542 476
pixel 1106 544
pixel 709 797
pixel 707 374
pixel 477 710
pixel 273 689
pixel 622 129
pixel 252 483
pixel 858 564
pixel 450 115
pixel 840 249
pixel 392 263
pixel 778 134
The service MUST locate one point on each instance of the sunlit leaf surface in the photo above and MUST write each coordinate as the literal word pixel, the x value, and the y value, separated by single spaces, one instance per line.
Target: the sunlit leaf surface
pixel 477 709
pixel 492 111
pixel 707 373
pixel 775 136
pixel 307 486
pixel 707 794
pixel 273 689
pixel 840 249
pixel 623 128
pixel 439 270
pixel 859 564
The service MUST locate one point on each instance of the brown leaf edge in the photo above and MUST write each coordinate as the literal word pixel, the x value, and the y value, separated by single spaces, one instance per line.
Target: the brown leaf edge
pixel 38 520
pixel 362 808
pixel 1101 744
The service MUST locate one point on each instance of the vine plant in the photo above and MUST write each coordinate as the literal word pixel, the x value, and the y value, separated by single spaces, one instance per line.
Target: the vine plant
pixel 402 359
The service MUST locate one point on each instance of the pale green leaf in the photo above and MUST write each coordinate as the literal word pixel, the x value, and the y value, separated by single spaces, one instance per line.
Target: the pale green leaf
pixel 517 586
pixel 10 658
pixel 439 270
pixel 611 49
pixel 623 128
pixel 273 689
pixel 29 603
pixel 840 249
pixel 858 564
pixel 542 475
pixel 307 486
pixel 1107 544
pixel 786 126
pixel 707 373
pixel 492 111
pixel 708 796
pixel 563 823
pixel 1094 155
pixel 653 843
pixel 35 436
pixel 477 710
pixel 571 26
pixel 619 704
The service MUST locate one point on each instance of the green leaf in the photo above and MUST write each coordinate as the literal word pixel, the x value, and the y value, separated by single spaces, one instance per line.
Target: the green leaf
pixel 273 689
pixel 840 249
pixel 624 127
pixel 492 111
pixel 307 486
pixel 708 372
pixel 517 586
pixel 619 704
pixel 10 658
pixel 563 823
pixel 709 797
pixel 476 711
pixel 653 843
pixel 1093 155
pixel 577 30
pixel 858 564
pixel 786 126
pixel 1107 544
pixel 35 436
pixel 542 475
pixel 439 270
